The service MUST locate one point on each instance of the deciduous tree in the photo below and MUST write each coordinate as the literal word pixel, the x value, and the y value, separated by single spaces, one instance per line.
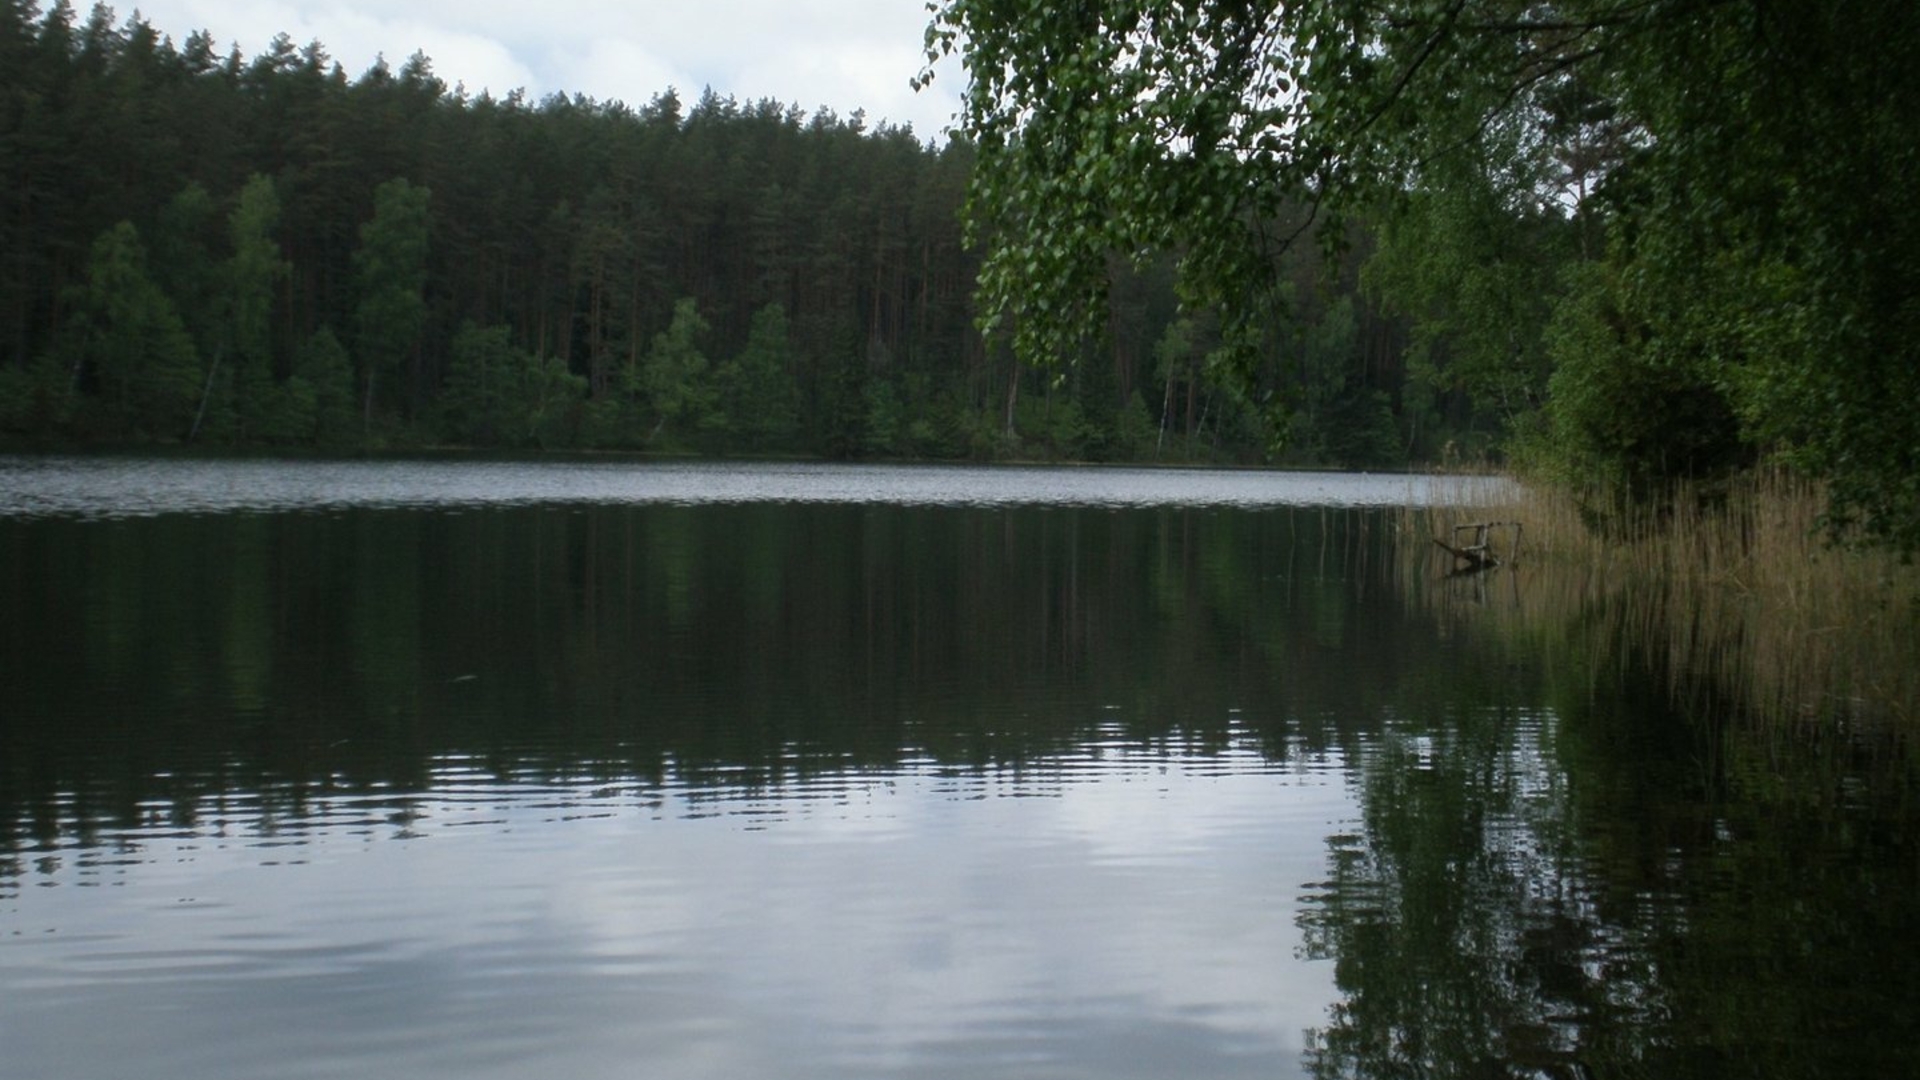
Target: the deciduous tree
pixel 1735 154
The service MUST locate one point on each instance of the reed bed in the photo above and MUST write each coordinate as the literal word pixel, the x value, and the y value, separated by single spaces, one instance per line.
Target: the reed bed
pixel 1740 584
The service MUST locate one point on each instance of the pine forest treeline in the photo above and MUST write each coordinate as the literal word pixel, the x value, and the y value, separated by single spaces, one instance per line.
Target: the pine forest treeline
pixel 206 248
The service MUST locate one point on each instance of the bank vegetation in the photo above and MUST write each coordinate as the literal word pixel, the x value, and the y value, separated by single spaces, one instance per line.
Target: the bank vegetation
pixel 1741 591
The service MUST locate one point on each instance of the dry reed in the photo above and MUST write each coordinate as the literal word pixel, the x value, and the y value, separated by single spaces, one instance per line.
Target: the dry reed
pixel 1747 593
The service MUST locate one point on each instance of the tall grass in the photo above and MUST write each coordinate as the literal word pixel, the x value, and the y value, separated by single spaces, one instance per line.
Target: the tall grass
pixel 1739 582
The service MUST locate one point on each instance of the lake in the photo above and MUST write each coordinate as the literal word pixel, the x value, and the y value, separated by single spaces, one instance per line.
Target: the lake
pixel 601 769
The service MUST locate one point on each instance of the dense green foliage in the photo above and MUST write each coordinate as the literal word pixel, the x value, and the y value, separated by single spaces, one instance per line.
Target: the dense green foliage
pixel 1652 238
pixel 206 248
pixel 1539 233
pixel 203 247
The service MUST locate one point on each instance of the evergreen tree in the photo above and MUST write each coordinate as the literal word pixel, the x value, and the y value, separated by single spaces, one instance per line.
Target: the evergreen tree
pixel 322 370
pixel 483 387
pixel 180 249
pixel 251 276
pixel 674 374
pixel 571 223
pixel 390 270
pixel 131 342
pixel 551 400
pixel 757 389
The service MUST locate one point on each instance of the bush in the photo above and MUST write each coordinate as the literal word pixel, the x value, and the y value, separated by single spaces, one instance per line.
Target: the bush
pixel 1624 413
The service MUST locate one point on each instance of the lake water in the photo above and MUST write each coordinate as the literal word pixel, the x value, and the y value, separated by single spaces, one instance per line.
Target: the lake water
pixel 595 769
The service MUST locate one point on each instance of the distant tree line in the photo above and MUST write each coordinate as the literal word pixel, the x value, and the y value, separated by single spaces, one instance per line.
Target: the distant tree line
pixel 210 249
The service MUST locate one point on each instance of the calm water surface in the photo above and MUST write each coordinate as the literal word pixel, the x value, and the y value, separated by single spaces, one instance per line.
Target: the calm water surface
pixel 604 770
pixel 116 487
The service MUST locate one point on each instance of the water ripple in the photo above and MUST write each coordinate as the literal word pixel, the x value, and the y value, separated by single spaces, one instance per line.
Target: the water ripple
pixel 106 488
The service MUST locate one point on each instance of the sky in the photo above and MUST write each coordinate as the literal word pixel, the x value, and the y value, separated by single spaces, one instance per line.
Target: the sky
pixel 840 54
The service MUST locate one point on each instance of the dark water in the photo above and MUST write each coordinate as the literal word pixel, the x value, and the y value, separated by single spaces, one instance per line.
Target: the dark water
pixel 608 771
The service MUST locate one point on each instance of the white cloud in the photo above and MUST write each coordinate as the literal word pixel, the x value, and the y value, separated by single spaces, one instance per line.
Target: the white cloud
pixel 841 54
pixel 618 70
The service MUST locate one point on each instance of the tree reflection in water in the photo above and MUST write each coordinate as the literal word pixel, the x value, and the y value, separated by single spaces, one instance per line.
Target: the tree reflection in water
pixel 1592 882
pixel 1556 872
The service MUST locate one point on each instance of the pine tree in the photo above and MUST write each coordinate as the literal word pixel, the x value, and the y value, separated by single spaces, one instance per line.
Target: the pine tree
pixel 253 272
pixel 324 371
pixel 674 374
pixel 390 271
pixel 758 396
pixel 132 343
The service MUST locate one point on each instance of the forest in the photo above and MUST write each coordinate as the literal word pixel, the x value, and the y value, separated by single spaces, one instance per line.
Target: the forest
pixel 1625 242
pixel 212 250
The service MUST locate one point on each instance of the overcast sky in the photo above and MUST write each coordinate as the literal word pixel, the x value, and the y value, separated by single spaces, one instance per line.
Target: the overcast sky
pixel 843 54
